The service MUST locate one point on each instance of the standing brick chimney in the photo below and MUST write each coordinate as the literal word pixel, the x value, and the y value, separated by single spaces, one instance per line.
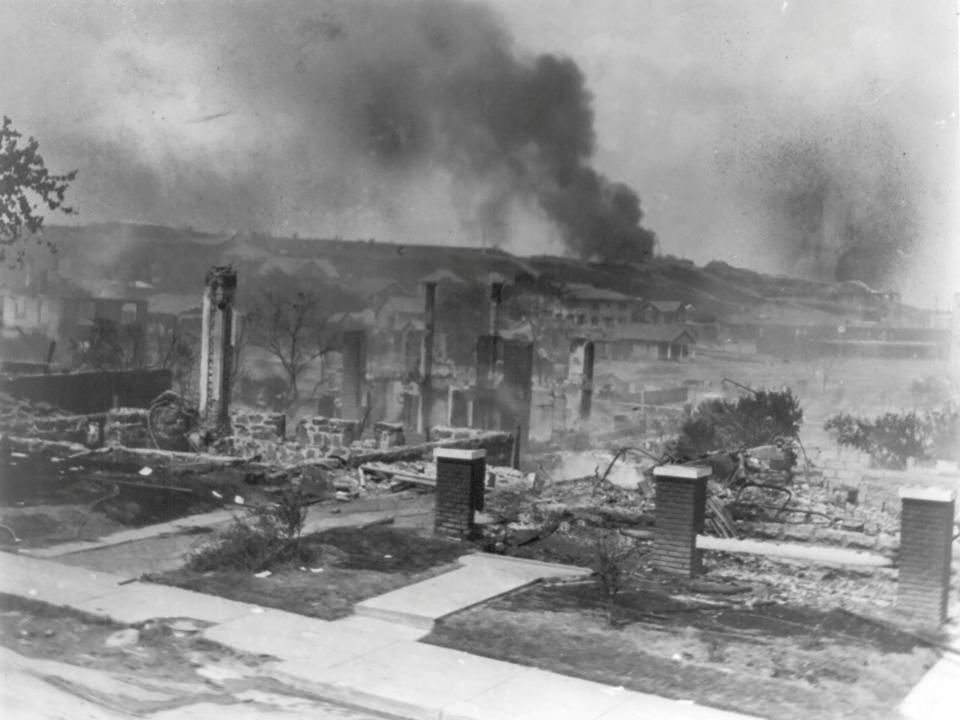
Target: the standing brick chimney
pixel 496 299
pixel 426 387
pixel 216 347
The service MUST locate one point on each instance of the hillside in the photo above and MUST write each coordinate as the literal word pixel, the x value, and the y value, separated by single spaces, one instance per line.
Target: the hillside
pixel 130 259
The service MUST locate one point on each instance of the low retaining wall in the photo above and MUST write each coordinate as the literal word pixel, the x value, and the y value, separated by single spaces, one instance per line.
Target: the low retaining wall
pixel 90 392
pixel 327 432
pixel 259 425
pixel 821 535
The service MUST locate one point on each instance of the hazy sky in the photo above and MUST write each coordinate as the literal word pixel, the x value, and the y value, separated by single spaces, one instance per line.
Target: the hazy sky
pixel 788 136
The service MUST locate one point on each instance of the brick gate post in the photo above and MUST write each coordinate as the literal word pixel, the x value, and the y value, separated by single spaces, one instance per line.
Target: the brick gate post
pixel 681 498
pixel 460 481
pixel 926 543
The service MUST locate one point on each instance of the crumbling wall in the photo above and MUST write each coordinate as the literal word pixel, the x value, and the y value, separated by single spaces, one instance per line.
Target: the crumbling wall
pixel 90 392
pixel 258 425
pixel 327 432
pixel 129 427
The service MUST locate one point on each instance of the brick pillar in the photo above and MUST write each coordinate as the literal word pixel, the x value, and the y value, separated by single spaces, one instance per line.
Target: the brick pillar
pixel 487 350
pixel 354 374
pixel 518 386
pixel 926 538
pixel 681 500
pixel 586 382
pixel 460 478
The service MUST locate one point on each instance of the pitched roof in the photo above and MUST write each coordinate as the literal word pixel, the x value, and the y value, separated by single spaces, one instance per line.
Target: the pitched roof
pixel 173 303
pixel 666 306
pixel 589 292
pixel 642 332
pixel 371 287
pixel 442 275
pixel 299 266
pixel 405 305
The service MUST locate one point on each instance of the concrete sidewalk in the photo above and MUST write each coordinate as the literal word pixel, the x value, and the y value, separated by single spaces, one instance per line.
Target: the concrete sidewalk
pixel 359 660
pixel 937 695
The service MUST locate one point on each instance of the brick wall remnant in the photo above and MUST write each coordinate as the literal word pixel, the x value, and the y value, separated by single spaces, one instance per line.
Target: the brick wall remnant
pixel 485 415
pixel 681 497
pixel 354 374
pixel 926 538
pixel 518 386
pixel 90 392
pixel 586 381
pixel 389 435
pixel 460 481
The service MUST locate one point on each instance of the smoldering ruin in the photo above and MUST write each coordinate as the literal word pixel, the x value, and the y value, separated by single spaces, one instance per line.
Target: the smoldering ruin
pixel 400 337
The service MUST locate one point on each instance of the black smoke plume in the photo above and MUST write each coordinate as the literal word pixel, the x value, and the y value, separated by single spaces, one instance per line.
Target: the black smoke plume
pixel 446 86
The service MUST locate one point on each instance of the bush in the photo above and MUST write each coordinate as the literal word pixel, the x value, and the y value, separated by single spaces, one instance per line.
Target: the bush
pixel 893 438
pixel 755 419
pixel 288 514
pixel 269 537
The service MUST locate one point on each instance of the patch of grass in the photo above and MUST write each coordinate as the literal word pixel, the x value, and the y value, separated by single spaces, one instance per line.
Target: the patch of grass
pixel 789 663
pixel 341 567
pixel 389 549
pixel 329 595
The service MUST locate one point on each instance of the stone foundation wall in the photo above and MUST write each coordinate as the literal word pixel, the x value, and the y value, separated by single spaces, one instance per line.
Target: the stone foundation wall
pixel 128 427
pixel 258 425
pixel 327 432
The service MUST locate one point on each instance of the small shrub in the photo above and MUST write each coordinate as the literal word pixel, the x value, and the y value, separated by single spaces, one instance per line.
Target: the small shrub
pixel 253 544
pixel 288 514
pixel 610 562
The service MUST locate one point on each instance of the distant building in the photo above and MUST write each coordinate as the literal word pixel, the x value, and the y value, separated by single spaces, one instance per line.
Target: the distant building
pixel 31 312
pixel 597 307
pixel 65 321
pixel 868 304
pixel 647 341
pixel 663 312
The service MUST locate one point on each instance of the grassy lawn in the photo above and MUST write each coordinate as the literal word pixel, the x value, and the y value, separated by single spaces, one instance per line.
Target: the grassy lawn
pixel 340 567
pixel 771 660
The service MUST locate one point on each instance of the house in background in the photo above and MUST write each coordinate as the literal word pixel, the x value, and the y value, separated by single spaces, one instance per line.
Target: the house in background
pixel 663 312
pixel 645 341
pixel 32 313
pixel 42 319
pixel 598 307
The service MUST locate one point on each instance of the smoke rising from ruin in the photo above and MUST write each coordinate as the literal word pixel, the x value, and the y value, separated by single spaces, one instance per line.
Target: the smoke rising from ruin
pixel 809 137
pixel 277 116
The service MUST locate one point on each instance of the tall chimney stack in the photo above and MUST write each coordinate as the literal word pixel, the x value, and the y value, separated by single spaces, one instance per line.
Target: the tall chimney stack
pixel 496 298
pixel 426 387
pixel 216 346
pixel 586 382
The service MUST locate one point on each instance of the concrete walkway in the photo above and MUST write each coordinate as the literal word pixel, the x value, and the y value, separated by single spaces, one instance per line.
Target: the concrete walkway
pixel 361 660
pixel 481 578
